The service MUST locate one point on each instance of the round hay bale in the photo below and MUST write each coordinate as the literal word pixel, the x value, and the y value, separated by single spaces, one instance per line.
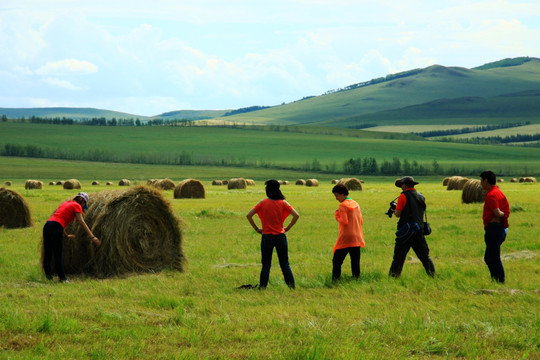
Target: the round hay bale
pixel 165 184
pixel 285 182
pixel 250 182
pixel 138 231
pixel 7 183
pixel 60 182
pixel 225 182
pixel 530 179
pixel 189 189
pixel 521 179
pixel 514 180
pixel 500 180
pixel 14 211
pixel 312 182
pixel 238 183
pixel 72 184
pixel 52 183
pixel 151 182
pixel 109 183
pixel 456 183
pixel 33 184
pixel 335 181
pixel 124 182
pixel 473 192
pixel 300 182
pixel 445 181
pixel 351 183
pixel 95 182
pixel 217 182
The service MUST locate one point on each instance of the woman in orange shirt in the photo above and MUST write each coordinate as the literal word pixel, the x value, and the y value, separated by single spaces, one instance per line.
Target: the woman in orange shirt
pixel 350 233
pixel 273 211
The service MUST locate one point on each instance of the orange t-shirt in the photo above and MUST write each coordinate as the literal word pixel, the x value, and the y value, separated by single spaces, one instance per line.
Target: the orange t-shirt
pixel 350 232
pixel 272 214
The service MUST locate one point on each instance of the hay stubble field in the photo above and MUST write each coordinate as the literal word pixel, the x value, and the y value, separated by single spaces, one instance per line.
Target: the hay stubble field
pixel 199 313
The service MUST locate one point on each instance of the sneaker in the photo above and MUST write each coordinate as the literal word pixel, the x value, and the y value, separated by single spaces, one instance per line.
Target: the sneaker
pixel 64 280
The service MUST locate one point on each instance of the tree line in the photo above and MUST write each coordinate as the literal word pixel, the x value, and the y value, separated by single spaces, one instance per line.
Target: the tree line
pixel 468 130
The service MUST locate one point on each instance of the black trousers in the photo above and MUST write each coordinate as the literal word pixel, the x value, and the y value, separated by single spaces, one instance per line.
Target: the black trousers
pixel 494 237
pixel 418 243
pixel 339 257
pixel 53 238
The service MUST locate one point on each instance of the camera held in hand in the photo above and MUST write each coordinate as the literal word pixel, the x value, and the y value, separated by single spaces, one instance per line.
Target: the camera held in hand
pixel 390 211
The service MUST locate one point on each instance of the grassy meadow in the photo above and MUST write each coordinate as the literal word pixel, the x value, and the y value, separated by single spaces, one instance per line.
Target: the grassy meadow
pixel 200 314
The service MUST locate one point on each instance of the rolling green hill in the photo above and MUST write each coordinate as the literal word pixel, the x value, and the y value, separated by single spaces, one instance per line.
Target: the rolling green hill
pixel 67 112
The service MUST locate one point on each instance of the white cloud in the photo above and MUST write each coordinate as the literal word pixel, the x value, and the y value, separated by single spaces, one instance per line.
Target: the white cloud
pixel 68 66
pixel 61 83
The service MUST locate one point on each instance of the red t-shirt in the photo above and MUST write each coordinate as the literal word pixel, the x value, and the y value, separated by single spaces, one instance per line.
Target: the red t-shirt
pixel 402 200
pixel 495 199
pixel 66 213
pixel 272 214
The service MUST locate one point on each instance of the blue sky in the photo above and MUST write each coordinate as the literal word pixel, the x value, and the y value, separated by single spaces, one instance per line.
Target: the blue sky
pixel 150 57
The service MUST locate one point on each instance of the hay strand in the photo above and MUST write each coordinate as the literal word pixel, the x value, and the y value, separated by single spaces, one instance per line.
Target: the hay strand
pixel 14 211
pixel 189 189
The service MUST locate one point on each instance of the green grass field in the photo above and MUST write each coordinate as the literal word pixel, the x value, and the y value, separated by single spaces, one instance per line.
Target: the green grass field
pixel 200 314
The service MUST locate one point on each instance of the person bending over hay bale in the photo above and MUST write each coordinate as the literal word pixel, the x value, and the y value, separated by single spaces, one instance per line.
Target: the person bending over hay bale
pixel 300 182
pixel 7 183
pixel 14 211
pixel 72 184
pixel 351 183
pixel 33 184
pixel 124 182
pixel 238 183
pixel 445 181
pixel 217 182
pixel 473 192
pixel 312 182
pixel 189 189
pixel 456 183
pixel 164 184
pixel 95 182
pixel 138 231
pixel 250 182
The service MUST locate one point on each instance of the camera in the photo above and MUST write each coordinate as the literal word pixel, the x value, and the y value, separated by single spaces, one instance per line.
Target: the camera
pixel 389 212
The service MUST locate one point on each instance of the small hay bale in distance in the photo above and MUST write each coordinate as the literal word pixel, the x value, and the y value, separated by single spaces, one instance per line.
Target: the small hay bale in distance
pixel 138 230
pixel 124 182
pixel 335 181
pixel 312 182
pixel 189 189
pixel 33 184
pixel 473 192
pixel 151 182
pixel 300 182
pixel 500 180
pixel 456 183
pixel 72 184
pixel 353 184
pixel 513 180
pixel 237 183
pixel 7 183
pixel 217 182
pixel 164 184
pixel 109 183
pixel 250 182
pixel 60 182
pixel 529 179
pixel 14 211
pixel 95 182
pixel 52 183
pixel 225 182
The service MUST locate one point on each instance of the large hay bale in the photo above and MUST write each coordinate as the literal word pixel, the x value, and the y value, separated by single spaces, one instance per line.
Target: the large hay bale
pixel 138 231
pixel 189 189
pixel 14 211
pixel 352 184
pixel 33 184
pixel 312 182
pixel 164 184
pixel 124 182
pixel 72 184
pixel 456 183
pixel 473 192
pixel 237 183
pixel 217 182
pixel 250 182
pixel 300 182
pixel 445 181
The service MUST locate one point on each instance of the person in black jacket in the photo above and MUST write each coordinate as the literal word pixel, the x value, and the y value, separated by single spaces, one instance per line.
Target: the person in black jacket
pixel 410 211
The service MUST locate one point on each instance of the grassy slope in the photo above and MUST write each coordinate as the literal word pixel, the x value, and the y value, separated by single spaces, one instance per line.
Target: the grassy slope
pixel 198 314
pixel 278 148
pixel 74 113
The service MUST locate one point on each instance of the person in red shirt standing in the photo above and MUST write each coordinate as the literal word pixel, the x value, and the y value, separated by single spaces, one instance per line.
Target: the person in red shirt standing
pixel 273 211
pixel 350 233
pixel 54 230
pixel 495 218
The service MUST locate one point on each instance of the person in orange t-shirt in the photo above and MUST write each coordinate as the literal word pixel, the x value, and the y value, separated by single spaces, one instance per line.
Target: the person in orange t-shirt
pixel 273 211
pixel 350 233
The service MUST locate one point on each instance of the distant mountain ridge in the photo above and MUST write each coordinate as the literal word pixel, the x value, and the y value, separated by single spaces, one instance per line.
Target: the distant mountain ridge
pixel 507 87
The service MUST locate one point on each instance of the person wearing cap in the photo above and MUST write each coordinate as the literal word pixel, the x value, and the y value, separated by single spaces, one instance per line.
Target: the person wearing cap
pixel 350 233
pixel 272 212
pixel 495 217
pixel 55 228
pixel 409 209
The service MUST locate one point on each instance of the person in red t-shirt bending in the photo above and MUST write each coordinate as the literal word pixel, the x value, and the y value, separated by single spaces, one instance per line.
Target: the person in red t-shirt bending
pixel 54 230
pixel 273 211
pixel 350 233
pixel 495 218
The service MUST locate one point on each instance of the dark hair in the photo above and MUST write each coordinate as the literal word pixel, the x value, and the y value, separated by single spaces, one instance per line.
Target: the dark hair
pixel 340 189
pixel 272 190
pixel 489 176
